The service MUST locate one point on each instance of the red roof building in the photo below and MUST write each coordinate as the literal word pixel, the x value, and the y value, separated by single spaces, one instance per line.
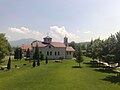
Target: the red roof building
pixel 51 50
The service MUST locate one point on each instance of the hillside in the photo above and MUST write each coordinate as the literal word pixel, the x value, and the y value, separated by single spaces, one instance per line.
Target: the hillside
pixel 21 41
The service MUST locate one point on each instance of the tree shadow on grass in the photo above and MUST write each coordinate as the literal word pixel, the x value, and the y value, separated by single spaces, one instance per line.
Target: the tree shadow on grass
pixel 112 79
pixel 92 65
pixel 105 70
pixel 76 67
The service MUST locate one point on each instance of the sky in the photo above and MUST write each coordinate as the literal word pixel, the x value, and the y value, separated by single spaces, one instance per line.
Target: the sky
pixel 79 20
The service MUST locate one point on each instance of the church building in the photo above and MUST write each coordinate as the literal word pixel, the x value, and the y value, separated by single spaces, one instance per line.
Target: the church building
pixel 53 50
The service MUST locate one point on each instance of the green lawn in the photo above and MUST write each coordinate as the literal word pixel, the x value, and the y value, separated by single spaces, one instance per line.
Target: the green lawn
pixel 57 76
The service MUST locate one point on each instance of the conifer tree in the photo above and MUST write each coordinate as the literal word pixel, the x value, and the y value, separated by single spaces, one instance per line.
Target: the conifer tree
pixel 20 52
pixel 36 56
pixel 34 64
pixel 36 53
pixel 38 62
pixel 9 64
pixel 79 58
pixel 28 53
pixel 41 56
pixel 17 54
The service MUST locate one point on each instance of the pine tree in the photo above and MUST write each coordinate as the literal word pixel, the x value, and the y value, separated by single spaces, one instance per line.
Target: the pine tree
pixel 17 54
pixel 41 56
pixel 28 53
pixel 79 58
pixel 9 64
pixel 36 56
pixel 34 64
pixel 36 53
pixel 20 52
pixel 118 48
pixel 38 62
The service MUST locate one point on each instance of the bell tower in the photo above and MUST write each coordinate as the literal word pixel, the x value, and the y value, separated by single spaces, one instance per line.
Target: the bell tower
pixel 47 39
pixel 66 40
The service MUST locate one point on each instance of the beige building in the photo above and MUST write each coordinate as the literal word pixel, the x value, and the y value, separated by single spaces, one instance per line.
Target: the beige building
pixel 53 50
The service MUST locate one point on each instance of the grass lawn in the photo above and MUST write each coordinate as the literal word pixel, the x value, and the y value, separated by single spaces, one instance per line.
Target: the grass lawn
pixel 57 76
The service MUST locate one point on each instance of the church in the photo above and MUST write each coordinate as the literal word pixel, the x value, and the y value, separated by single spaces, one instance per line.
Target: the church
pixel 53 50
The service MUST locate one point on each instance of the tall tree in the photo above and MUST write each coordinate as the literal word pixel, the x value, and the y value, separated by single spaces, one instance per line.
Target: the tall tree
pixel 28 53
pixel 118 48
pixel 20 50
pixel 74 46
pixel 34 64
pixel 38 62
pixel 36 56
pixel 18 53
pixel 79 58
pixel 89 49
pixel 4 45
pixel 41 56
pixel 109 49
pixel 9 64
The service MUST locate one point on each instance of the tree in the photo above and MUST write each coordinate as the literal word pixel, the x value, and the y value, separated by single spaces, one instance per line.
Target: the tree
pixel 9 64
pixel 28 53
pixel 38 62
pixel 41 56
pixel 89 49
pixel 79 58
pixel 36 54
pixel 34 64
pixel 46 60
pixel 18 53
pixel 4 45
pixel 117 54
pixel 109 49
pixel 74 46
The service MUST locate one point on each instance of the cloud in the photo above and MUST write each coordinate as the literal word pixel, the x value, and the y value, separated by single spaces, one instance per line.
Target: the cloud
pixel 8 36
pixel 88 32
pixel 57 33
pixel 60 32
pixel 24 30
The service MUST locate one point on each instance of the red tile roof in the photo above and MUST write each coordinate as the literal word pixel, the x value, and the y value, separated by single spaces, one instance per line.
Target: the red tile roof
pixel 25 47
pixel 57 44
pixel 42 44
pixel 69 49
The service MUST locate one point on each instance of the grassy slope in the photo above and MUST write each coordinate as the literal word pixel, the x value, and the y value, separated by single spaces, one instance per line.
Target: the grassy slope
pixel 55 76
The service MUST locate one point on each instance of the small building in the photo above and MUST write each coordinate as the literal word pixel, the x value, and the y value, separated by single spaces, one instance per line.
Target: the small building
pixel 53 50
pixel 25 48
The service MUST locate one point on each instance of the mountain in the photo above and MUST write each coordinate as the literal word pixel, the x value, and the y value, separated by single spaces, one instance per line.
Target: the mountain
pixel 21 41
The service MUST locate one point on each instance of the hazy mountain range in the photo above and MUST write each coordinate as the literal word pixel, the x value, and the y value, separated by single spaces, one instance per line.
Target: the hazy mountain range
pixel 21 41
pixel 30 40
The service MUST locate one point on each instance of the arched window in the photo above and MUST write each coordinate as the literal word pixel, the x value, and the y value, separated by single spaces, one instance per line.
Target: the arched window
pixel 58 53
pixel 55 53
pixel 50 52
pixel 47 52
